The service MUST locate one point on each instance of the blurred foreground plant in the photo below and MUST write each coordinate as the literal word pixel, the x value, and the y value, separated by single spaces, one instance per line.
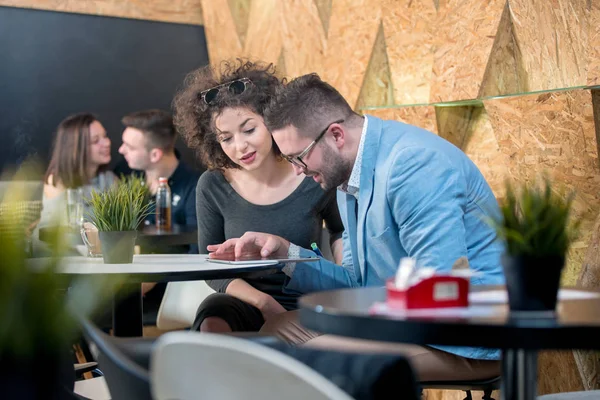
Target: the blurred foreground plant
pixel 38 304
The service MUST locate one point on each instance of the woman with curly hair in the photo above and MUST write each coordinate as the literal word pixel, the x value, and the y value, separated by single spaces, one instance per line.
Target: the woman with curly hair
pixel 248 187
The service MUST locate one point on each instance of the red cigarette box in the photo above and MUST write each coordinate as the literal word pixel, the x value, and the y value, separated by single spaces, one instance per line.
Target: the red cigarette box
pixel 432 292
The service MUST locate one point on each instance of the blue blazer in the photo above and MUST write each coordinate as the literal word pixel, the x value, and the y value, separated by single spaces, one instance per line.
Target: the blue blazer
pixel 420 196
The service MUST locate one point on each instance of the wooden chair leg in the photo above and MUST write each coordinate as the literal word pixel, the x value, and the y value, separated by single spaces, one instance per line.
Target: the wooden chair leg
pixel 487 395
pixel 81 359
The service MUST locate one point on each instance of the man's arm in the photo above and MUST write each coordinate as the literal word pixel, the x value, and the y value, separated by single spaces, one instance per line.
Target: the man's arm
pixel 304 277
pixel 320 275
pixel 428 197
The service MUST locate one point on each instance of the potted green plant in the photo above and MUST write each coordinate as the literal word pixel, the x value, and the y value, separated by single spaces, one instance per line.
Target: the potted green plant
pixel 537 228
pixel 117 214
pixel 38 324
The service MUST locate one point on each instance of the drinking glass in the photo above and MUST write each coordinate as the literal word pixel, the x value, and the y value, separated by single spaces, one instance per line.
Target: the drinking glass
pixel 91 239
pixel 75 207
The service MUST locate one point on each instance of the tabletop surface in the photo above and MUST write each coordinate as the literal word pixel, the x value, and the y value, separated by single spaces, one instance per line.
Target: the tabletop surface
pixel 172 266
pixel 487 322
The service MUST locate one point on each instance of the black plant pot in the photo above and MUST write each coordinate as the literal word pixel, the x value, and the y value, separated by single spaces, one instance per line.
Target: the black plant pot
pixel 532 282
pixel 117 246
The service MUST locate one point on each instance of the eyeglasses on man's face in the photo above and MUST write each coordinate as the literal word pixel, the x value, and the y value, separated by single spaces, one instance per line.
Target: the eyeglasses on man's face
pixel 235 87
pixel 297 160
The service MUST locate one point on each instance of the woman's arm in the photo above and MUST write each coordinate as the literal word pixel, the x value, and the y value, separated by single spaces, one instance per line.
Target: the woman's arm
pixel 210 224
pixel 337 249
pixel 335 227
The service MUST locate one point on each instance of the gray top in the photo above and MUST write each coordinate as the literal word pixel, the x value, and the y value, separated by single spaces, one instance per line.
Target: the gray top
pixel 223 214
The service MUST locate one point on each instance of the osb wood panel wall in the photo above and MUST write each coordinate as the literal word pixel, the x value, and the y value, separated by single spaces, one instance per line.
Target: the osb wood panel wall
pixel 400 58
pixel 391 53
pixel 177 11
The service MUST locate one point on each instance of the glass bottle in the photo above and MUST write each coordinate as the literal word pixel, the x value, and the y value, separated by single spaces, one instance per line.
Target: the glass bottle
pixel 163 205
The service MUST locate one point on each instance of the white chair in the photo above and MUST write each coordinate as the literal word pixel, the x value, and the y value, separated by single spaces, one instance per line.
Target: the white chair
pixel 180 303
pixel 587 395
pixel 191 365
pixel 93 389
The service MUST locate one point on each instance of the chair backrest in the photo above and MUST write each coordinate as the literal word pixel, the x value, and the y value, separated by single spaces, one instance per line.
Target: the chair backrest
pixel 180 303
pixel 122 363
pixel 189 365
pixel 33 189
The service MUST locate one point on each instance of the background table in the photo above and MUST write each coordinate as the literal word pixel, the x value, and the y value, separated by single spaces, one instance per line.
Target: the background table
pixel 178 235
pixel 576 326
pixel 127 305
pixel 148 236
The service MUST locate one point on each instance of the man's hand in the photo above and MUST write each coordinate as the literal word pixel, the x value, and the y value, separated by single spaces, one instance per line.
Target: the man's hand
pixel 268 306
pixel 252 245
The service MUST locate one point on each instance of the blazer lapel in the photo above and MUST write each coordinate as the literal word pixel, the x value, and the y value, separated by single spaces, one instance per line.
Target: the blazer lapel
pixel 367 179
pixel 351 219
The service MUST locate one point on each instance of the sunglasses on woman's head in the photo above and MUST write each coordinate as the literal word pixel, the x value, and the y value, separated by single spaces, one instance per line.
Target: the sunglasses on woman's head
pixel 235 87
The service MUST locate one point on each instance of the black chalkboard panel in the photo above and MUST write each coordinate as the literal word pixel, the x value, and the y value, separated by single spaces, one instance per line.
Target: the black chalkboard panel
pixel 53 64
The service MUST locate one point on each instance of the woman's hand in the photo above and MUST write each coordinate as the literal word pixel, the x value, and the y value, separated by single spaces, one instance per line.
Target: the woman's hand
pixel 252 245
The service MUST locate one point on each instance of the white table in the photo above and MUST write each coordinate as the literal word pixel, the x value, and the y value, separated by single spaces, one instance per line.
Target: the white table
pixel 154 267
pixel 127 308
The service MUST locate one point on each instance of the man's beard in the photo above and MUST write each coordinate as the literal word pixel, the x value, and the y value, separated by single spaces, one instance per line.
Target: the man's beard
pixel 335 169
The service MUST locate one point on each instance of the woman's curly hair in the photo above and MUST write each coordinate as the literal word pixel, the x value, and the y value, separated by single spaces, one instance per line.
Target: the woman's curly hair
pixel 195 120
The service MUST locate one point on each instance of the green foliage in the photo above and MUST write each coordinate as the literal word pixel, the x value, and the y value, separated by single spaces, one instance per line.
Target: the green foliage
pixel 36 314
pixel 537 221
pixel 122 207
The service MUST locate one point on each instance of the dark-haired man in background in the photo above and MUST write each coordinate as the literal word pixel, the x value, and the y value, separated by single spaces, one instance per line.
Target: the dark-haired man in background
pixel 149 146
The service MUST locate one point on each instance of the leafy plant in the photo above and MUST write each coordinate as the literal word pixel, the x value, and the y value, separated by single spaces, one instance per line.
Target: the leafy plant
pixel 537 221
pixel 37 314
pixel 122 207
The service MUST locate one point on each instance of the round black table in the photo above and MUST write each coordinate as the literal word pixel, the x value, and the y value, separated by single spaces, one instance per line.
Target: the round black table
pixel 576 325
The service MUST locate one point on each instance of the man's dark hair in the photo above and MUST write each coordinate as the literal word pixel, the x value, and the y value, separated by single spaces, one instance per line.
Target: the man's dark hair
pixel 157 126
pixel 195 119
pixel 307 103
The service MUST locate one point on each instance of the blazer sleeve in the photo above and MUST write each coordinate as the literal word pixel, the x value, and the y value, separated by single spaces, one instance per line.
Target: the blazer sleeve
pixel 323 274
pixel 319 275
pixel 428 198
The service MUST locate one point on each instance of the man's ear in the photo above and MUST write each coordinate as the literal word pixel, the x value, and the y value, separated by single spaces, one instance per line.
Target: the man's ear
pixel 155 155
pixel 339 135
